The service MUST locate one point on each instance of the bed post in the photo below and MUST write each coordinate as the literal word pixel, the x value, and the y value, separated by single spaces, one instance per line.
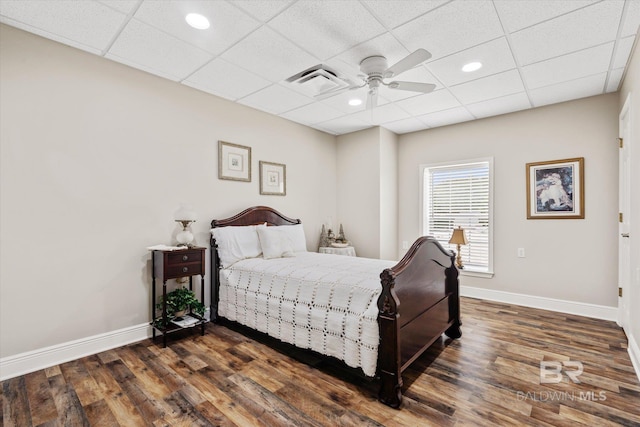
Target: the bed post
pixel 215 281
pixel 453 286
pixel 389 366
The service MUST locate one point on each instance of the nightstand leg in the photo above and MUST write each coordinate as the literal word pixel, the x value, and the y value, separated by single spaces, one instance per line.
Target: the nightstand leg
pixel 202 300
pixel 164 314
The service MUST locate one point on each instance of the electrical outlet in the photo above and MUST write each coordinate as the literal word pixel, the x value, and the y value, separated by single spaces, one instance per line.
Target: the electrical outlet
pixel 405 244
pixel 520 252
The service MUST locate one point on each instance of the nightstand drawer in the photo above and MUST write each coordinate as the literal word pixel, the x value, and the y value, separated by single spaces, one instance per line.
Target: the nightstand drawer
pixel 184 257
pixel 181 270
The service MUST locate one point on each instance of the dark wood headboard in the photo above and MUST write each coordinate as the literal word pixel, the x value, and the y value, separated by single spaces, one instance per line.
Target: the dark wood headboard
pixel 254 216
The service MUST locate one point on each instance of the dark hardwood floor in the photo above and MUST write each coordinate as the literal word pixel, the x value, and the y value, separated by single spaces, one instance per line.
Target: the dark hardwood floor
pixel 491 376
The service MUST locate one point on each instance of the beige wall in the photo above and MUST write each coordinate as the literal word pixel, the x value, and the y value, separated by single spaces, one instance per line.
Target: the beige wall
pixel 631 87
pixel 574 260
pixel 388 195
pixel 95 159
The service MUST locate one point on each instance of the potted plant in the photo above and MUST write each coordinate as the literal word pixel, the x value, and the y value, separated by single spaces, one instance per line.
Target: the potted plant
pixel 179 301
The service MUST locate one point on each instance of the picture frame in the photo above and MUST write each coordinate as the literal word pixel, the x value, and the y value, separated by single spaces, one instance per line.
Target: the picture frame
pixel 273 179
pixel 234 162
pixel 555 189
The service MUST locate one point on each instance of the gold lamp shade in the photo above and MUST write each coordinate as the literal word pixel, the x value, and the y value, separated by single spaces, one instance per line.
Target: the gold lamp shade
pixel 458 238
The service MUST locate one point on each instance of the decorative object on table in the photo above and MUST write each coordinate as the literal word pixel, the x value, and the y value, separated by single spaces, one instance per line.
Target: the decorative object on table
pixel 555 189
pixel 234 162
pixel 330 237
pixel 341 238
pixel 179 301
pixel 185 215
pixel 337 244
pixel 273 179
pixel 324 237
pixel 458 238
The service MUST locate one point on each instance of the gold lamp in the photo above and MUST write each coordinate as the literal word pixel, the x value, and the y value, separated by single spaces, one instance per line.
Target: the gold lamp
pixel 458 238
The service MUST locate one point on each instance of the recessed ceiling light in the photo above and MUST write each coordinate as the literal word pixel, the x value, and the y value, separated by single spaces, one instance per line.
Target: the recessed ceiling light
pixel 471 66
pixel 355 102
pixel 197 21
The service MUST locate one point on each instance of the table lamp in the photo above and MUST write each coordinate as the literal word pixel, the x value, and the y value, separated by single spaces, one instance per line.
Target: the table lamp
pixel 185 215
pixel 458 238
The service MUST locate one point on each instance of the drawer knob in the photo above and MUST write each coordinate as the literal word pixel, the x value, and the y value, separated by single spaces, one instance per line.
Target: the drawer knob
pixel 185 257
pixel 185 269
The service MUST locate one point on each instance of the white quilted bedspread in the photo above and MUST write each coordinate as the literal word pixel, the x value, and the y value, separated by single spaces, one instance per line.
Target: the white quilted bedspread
pixel 326 303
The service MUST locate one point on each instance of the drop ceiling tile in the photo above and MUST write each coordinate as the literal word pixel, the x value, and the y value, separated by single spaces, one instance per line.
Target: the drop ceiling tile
pixel 495 57
pixel 228 23
pixel 275 99
pixel 86 25
pixel 631 19
pixel 429 103
pixel 395 12
pixel 327 28
pixel 381 114
pixel 614 80
pixel 341 101
pixel 263 10
pixel 502 105
pixel 490 87
pixel 405 126
pixel 568 67
pixel 342 125
pixel 566 91
pixel 270 54
pixel 150 49
pixel 584 28
pixel 124 6
pixel 451 28
pixel 623 50
pixel 227 80
pixel 516 15
pixel 312 113
pixel 447 117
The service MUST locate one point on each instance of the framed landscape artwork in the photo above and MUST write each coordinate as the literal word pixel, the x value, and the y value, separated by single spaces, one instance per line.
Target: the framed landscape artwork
pixel 555 189
pixel 234 161
pixel 273 179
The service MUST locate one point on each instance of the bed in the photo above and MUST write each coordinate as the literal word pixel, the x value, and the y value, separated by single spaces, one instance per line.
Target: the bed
pixel 378 316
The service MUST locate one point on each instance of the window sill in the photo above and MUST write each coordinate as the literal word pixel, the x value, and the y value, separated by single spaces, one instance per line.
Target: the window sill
pixel 472 273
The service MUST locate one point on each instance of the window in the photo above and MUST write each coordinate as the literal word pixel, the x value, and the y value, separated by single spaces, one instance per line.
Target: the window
pixel 459 194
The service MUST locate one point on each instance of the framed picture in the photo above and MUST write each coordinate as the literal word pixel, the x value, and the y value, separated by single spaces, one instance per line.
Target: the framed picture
pixel 273 179
pixel 555 189
pixel 234 161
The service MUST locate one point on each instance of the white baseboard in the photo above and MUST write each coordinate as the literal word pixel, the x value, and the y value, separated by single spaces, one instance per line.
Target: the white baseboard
pixel 634 354
pixel 23 363
pixel 563 306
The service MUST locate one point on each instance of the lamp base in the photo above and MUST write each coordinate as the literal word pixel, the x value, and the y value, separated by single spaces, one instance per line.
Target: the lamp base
pixel 459 260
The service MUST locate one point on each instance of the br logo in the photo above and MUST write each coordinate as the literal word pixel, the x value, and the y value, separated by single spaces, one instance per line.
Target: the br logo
pixel 551 371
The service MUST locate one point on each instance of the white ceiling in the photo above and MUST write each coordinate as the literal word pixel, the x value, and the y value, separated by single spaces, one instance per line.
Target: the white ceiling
pixel 535 52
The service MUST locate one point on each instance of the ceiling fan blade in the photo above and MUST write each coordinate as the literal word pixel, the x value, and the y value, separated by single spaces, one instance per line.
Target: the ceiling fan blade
pixel 407 63
pixel 372 99
pixel 413 86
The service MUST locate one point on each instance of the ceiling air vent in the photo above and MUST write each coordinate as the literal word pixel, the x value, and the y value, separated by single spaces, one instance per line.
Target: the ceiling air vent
pixel 317 80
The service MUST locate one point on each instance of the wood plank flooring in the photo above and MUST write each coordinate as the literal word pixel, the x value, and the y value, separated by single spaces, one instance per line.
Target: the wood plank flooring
pixel 491 376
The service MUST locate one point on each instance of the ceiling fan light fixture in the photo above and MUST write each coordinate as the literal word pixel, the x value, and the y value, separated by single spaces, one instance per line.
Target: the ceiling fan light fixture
pixel 197 21
pixel 471 66
pixel 354 102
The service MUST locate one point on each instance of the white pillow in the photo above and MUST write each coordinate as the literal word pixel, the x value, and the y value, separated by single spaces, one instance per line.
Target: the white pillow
pixel 237 243
pixel 275 243
pixel 295 233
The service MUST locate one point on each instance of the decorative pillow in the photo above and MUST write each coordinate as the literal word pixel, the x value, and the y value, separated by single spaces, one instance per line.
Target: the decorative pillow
pixel 275 243
pixel 295 233
pixel 237 243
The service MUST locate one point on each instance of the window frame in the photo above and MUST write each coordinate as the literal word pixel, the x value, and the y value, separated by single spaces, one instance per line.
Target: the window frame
pixel 467 271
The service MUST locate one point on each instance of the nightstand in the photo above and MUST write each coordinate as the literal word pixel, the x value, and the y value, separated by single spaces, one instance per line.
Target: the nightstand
pixel 174 264
pixel 348 250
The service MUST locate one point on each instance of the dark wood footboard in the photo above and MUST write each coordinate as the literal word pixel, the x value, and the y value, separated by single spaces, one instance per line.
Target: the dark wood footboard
pixel 420 300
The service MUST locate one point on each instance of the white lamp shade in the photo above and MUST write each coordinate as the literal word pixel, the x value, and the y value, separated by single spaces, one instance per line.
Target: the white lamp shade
pixel 185 213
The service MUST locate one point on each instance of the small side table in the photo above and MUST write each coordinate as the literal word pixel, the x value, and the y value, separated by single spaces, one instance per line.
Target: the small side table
pixel 173 264
pixel 347 251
